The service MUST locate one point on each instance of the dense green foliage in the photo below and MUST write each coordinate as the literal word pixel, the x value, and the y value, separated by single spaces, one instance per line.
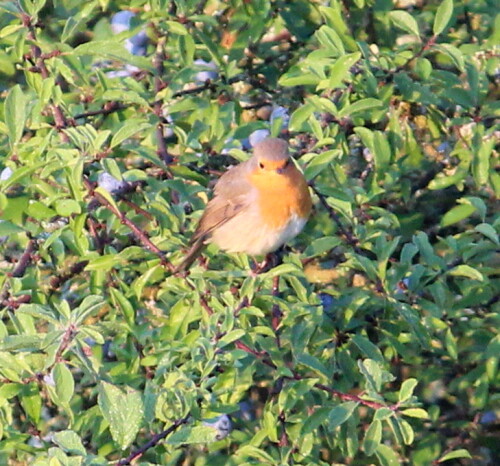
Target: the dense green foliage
pixel 375 341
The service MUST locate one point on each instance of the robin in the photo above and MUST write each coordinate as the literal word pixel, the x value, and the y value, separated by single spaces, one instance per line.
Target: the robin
pixel 258 205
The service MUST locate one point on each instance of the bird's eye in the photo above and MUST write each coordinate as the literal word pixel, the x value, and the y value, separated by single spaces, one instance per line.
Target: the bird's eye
pixel 261 165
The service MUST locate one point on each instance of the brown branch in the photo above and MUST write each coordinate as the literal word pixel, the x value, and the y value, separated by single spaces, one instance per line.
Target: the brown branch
pixel 349 237
pixel 25 381
pixel 430 42
pixel 17 272
pixel 262 356
pixel 25 260
pixel 93 230
pixel 137 209
pixel 209 85
pixel 284 439
pixel 14 302
pixel 67 338
pixel 36 52
pixel 57 280
pixel 109 107
pixel 158 60
pixel 138 233
pixel 153 442
pixel 277 314
pixel 356 398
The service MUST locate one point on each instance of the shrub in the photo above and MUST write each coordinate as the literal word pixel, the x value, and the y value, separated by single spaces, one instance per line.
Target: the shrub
pixel 376 338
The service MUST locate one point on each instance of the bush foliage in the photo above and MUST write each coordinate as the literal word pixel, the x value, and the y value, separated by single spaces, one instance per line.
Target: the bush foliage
pixel 374 341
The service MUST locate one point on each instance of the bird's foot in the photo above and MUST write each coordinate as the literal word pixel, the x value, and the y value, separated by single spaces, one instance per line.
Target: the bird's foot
pixel 271 260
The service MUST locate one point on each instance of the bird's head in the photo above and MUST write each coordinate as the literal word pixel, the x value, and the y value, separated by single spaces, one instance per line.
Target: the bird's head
pixel 271 156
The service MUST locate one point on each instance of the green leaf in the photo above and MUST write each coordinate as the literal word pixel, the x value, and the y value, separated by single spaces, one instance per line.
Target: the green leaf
pixel 387 456
pixel 451 344
pixel 233 335
pixel 406 390
pixel 372 374
pixel 176 27
pixel 314 420
pixel 320 162
pixel 130 128
pixel 10 29
pixel 415 412
pixel 15 114
pixel 467 271
pixel 481 163
pixel 123 410
pixel 340 69
pixel 313 363
pixel 300 115
pixel 330 40
pixel 372 438
pixel 483 228
pixel 32 7
pixel 8 228
pixel 405 21
pixel 126 97
pixel 360 106
pixel 196 434
pixel 254 452
pixel 341 413
pixel 112 50
pixel 31 402
pixel 297 77
pixel 70 442
pixel 382 414
pixel 104 263
pixel 406 431
pixel 322 245
pixel 368 348
pixel 106 195
pixel 67 207
pixel 125 305
pixel 462 453
pixel 443 16
pixel 457 214
pixel 90 304
pixel 65 384
pixel 283 269
pixel 454 54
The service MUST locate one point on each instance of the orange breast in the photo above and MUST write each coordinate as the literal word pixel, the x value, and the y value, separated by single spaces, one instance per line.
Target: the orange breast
pixel 280 196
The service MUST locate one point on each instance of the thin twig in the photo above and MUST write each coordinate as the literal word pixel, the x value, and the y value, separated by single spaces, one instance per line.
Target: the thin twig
pixel 57 280
pixel 138 233
pixel 109 107
pixel 350 238
pixel 153 442
pixel 59 118
pixel 356 398
pixel 262 356
pixel 430 42
pixel 277 314
pixel 158 60
pixel 25 260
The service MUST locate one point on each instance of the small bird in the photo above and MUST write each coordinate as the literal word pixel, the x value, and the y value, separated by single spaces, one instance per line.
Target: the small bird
pixel 258 205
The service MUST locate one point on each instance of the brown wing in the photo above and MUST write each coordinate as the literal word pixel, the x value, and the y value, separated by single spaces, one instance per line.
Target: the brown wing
pixel 231 196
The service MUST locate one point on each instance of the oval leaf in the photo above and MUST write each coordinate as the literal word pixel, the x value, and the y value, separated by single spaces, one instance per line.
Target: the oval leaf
pixel 443 16
pixel 405 21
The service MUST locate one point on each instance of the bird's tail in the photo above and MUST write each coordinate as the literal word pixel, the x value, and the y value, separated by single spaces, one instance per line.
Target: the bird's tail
pixel 191 255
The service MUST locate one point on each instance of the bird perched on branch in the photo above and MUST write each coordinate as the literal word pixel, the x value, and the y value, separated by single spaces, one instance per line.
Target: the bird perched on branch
pixel 258 205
